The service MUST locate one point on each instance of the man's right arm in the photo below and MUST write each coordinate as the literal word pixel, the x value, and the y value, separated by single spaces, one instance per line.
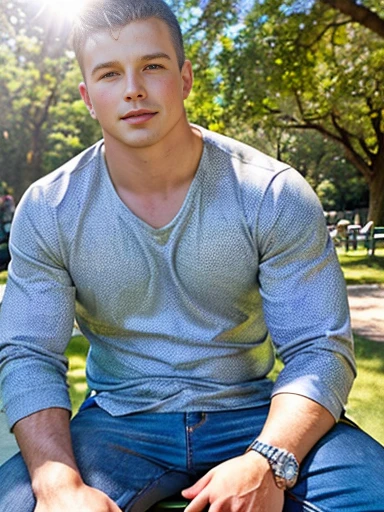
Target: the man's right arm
pixel 36 320
pixel 45 443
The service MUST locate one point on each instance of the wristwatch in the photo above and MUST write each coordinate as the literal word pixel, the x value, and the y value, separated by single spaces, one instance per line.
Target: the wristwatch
pixel 284 465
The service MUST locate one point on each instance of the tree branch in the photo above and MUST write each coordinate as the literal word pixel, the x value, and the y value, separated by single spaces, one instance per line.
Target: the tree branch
pixel 352 155
pixel 359 14
pixel 319 36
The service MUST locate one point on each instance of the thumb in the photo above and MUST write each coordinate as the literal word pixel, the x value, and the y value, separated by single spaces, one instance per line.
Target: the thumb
pixel 191 492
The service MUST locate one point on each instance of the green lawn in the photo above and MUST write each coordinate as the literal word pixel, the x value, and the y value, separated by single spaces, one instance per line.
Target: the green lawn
pixel 76 353
pixel 3 277
pixel 359 268
pixel 366 404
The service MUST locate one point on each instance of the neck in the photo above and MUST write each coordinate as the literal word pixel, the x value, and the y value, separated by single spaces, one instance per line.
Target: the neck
pixel 158 168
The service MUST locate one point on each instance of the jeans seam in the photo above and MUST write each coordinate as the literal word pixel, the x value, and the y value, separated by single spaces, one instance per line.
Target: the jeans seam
pixel 145 489
pixel 189 448
pixel 189 430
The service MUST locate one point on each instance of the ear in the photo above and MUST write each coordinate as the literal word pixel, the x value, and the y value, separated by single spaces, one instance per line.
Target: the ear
pixel 87 100
pixel 187 78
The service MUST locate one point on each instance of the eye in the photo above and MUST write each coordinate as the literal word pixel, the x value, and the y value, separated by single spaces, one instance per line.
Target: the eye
pixel 110 74
pixel 154 66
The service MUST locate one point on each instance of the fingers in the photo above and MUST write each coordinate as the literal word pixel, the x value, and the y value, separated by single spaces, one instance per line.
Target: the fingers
pixel 192 492
pixel 199 503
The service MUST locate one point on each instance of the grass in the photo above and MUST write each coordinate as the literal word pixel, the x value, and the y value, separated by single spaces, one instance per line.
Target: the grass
pixel 3 277
pixel 359 268
pixel 77 352
pixel 366 404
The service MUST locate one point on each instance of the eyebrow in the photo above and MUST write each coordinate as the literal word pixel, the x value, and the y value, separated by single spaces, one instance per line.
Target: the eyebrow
pixel 144 58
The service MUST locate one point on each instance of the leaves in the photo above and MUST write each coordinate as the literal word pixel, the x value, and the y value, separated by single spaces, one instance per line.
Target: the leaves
pixel 303 65
pixel 271 73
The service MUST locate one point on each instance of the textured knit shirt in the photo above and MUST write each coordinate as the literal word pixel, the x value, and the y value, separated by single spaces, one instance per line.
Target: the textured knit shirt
pixel 181 318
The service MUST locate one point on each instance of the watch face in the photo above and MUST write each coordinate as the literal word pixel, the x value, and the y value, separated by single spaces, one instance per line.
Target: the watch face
pixel 290 470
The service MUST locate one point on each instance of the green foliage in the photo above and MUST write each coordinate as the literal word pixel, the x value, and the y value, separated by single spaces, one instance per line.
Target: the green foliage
pixel 262 69
pixel 310 68
pixel 337 182
pixel 42 124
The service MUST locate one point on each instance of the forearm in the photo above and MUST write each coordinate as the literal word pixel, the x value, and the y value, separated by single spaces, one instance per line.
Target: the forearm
pixel 295 423
pixel 45 443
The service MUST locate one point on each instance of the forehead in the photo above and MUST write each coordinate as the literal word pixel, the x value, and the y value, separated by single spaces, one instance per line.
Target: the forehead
pixel 129 42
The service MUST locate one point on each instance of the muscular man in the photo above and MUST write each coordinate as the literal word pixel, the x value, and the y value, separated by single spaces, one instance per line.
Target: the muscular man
pixel 187 258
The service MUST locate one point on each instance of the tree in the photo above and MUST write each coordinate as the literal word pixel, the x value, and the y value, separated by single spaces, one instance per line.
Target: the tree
pixel 43 122
pixel 302 65
pixel 360 14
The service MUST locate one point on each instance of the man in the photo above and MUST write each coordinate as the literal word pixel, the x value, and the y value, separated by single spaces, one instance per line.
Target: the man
pixel 182 254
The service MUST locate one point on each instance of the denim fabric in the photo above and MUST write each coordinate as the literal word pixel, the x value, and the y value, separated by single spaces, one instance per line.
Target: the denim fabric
pixel 140 459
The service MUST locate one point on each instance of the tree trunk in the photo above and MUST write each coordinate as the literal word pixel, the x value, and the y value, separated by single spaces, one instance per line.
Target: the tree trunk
pixel 376 195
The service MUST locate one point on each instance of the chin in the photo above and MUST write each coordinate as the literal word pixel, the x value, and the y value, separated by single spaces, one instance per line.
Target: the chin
pixel 143 140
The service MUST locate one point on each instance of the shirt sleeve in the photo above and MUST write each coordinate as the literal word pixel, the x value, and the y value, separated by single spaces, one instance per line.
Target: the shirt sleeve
pixel 36 317
pixel 304 295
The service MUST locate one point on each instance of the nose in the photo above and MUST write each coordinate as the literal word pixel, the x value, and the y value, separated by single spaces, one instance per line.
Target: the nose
pixel 134 88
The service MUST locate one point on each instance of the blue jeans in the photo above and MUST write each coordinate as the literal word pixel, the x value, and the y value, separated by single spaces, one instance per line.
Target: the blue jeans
pixel 140 459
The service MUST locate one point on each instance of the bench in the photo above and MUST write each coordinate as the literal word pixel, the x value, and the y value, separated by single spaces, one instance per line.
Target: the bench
pixel 350 235
pixel 377 235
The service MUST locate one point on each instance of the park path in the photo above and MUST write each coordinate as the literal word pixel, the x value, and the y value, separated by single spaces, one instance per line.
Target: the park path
pixel 367 310
pixel 367 313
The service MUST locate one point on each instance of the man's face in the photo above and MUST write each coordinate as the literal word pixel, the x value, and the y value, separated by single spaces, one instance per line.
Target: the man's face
pixel 133 84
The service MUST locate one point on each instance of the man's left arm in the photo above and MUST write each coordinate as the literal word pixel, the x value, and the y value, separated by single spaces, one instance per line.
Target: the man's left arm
pixel 306 311
pixel 246 483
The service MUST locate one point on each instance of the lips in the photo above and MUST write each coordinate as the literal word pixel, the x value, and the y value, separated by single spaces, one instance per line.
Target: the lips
pixel 138 116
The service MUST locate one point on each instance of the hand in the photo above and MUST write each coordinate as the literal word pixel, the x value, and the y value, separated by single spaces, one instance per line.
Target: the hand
pixel 79 499
pixel 242 484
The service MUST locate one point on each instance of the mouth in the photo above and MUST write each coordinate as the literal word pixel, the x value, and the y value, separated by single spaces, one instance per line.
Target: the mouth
pixel 138 116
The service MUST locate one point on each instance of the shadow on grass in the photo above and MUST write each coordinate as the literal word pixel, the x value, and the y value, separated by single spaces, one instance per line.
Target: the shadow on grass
pixel 375 262
pixel 365 404
pixel 78 347
pixel 366 349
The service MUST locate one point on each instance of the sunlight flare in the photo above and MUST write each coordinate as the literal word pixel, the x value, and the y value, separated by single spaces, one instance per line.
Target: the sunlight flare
pixel 63 8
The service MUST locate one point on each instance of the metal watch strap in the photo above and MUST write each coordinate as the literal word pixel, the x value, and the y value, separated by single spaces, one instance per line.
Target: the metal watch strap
pixel 283 463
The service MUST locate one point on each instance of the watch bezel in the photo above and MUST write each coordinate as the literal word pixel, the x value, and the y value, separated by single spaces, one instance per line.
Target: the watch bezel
pixel 279 459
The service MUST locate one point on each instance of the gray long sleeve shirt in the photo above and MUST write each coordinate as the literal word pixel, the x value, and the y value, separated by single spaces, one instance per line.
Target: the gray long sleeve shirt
pixel 184 317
